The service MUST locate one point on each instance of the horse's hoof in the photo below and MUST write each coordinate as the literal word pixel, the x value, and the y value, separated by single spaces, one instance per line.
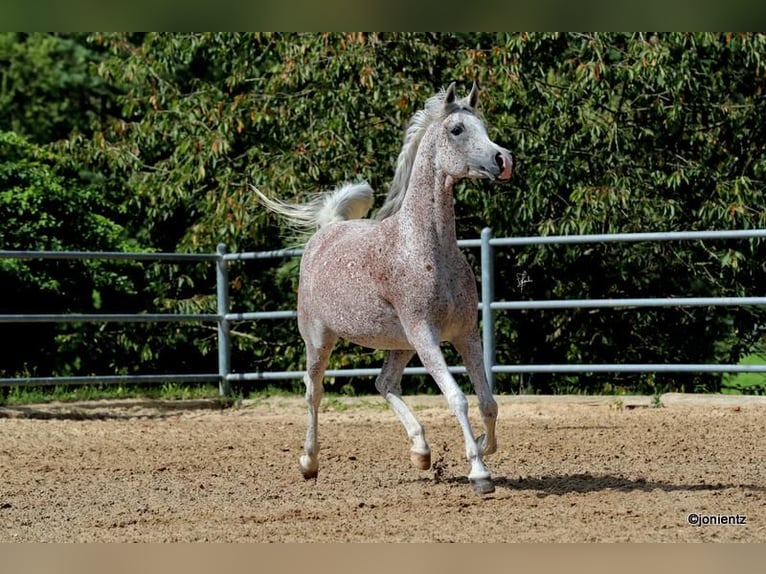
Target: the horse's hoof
pixel 482 485
pixel 308 470
pixel 421 460
pixel 308 474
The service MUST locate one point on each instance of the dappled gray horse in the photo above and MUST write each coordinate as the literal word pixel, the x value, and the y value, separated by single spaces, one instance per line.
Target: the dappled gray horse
pixel 399 282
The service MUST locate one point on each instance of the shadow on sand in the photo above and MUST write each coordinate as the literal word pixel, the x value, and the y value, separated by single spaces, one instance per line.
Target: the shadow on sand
pixel 111 410
pixel 558 485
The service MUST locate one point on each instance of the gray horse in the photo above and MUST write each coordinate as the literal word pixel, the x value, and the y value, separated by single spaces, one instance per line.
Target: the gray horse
pixel 399 282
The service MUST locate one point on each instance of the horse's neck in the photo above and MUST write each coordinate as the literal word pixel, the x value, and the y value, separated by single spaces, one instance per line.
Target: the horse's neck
pixel 427 215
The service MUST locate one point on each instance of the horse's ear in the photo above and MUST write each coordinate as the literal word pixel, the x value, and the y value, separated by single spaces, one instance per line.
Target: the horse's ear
pixel 450 97
pixel 473 97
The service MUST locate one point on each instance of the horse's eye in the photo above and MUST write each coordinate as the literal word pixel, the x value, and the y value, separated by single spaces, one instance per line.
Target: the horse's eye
pixel 457 130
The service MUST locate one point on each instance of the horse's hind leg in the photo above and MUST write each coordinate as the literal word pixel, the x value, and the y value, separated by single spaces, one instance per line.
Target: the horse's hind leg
pixel 470 350
pixel 316 364
pixel 389 385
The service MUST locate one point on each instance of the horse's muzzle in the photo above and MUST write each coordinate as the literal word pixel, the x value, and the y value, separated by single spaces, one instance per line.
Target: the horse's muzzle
pixel 504 162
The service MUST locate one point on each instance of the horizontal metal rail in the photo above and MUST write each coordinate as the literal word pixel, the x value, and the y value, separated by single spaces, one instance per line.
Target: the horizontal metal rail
pixel 618 237
pixel 289 314
pixel 630 368
pixel 638 302
pixel 111 379
pixel 517 369
pixel 145 317
pixel 111 318
pixel 276 254
pixel 258 315
pixel 116 255
pixel 552 240
pixel 371 372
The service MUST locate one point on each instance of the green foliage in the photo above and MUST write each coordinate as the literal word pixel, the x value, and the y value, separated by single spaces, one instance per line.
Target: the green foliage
pixel 611 133
pixel 624 133
pixel 43 210
pixel 47 90
pixel 747 383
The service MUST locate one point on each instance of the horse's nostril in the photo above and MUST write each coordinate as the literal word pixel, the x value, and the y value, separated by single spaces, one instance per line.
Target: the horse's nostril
pixel 499 160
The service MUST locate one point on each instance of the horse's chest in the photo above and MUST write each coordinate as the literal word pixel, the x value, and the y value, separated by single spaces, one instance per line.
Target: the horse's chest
pixel 435 289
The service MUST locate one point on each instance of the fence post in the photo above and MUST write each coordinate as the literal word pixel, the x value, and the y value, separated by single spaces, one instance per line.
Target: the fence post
pixel 224 338
pixel 487 297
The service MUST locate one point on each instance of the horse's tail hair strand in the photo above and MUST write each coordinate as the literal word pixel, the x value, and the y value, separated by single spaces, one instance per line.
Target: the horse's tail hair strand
pixel 348 201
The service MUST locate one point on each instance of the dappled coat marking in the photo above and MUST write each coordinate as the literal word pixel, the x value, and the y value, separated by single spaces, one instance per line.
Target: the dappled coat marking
pixel 399 282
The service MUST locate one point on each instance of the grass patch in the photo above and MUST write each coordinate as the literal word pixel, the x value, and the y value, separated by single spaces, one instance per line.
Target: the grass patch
pixel 341 403
pixel 334 404
pixel 746 383
pixel 74 393
pixel 18 395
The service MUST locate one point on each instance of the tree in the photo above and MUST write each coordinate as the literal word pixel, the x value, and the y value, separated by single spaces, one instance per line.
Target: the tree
pixel 621 133
pixel 44 210
pixel 47 88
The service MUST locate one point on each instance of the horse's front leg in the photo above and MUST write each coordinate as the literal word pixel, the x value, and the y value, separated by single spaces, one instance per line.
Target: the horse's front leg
pixel 426 343
pixel 470 350
pixel 388 384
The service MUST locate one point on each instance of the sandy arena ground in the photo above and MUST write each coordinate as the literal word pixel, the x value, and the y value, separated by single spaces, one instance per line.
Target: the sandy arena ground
pixel 567 469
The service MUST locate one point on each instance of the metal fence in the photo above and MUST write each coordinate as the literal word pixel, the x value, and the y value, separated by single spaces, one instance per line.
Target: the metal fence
pixel 487 309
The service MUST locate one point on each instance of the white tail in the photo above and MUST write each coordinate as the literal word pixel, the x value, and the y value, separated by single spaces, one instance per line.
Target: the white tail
pixel 348 201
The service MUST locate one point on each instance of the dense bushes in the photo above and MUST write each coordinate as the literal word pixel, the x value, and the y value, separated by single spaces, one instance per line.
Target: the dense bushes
pixel 611 133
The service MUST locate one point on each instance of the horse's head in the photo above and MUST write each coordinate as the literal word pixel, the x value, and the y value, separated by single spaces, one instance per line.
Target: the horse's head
pixel 463 148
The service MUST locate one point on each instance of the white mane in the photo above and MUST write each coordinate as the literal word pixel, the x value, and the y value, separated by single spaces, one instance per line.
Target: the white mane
pixel 434 110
